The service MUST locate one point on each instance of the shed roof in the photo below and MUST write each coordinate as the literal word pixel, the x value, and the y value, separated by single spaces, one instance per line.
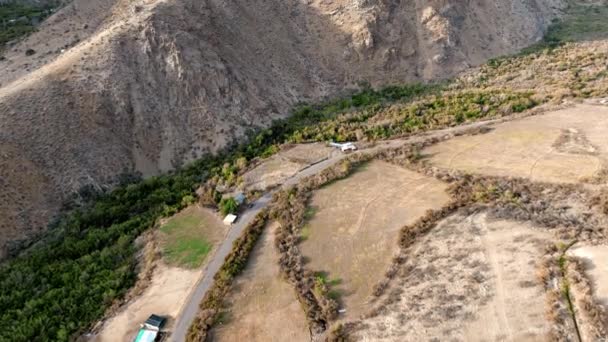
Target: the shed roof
pixel 229 219
pixel 145 335
pixel 155 321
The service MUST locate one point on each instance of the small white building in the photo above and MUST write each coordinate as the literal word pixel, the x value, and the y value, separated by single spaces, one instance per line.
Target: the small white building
pixel 230 219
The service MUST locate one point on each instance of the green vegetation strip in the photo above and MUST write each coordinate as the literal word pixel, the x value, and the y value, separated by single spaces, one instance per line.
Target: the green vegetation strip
pixel 18 19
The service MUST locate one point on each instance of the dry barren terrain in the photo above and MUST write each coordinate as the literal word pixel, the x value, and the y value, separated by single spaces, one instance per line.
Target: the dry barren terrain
pixel 567 145
pixel 262 306
pixel 355 223
pixel 470 279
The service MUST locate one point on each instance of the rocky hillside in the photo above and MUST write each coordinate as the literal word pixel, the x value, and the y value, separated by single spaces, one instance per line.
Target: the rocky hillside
pixel 112 86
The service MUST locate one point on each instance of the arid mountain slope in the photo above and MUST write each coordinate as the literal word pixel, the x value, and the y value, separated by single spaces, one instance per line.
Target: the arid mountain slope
pixel 119 86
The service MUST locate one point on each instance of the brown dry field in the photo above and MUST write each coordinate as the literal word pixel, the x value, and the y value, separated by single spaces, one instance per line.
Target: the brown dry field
pixel 308 153
pixel 563 146
pixel 594 258
pixel 168 290
pixel 263 307
pixel 355 229
pixel 280 167
pixel 469 279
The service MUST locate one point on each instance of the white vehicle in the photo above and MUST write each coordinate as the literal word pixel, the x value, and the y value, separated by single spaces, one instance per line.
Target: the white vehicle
pixel 345 147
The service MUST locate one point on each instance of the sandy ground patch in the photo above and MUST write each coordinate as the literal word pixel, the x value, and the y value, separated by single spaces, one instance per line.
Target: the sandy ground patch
pixel 308 153
pixel 469 279
pixel 278 168
pixel 354 232
pixel 170 285
pixel 263 306
pixel 166 294
pixel 594 258
pixel 562 146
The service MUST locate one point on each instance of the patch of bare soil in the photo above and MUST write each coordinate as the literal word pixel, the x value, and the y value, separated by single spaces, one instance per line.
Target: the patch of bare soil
pixel 165 296
pixel 469 279
pixel 355 229
pixel 271 172
pixel 563 146
pixel 308 153
pixel 278 168
pixel 262 306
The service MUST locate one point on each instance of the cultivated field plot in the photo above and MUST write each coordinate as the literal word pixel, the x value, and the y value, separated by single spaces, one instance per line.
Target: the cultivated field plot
pixel 469 279
pixel 188 237
pixel 263 306
pixel 355 228
pixel 568 145
pixel 278 168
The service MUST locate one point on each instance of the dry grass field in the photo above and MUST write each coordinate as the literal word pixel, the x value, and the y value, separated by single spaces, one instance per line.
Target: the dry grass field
pixel 563 146
pixel 308 153
pixel 262 307
pixel 355 225
pixel 469 279
pixel 278 168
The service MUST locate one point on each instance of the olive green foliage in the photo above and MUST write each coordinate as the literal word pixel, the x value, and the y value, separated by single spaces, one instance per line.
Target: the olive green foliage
pixel 228 206
pixel 431 112
pixel 16 20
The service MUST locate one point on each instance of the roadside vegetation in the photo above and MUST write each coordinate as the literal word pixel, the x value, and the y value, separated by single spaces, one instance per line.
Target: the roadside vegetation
pixel 61 285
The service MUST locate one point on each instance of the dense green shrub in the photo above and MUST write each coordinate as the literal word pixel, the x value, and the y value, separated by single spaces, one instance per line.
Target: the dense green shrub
pixel 228 206
pixel 17 19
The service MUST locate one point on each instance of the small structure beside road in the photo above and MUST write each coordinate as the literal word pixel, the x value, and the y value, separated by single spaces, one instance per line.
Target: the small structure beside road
pixel 150 330
pixel 230 219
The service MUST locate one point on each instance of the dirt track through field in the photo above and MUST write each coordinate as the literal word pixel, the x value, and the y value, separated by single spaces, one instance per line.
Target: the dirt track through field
pixel 563 146
pixel 469 279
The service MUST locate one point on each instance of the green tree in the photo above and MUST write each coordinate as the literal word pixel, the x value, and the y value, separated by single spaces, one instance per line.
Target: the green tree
pixel 228 206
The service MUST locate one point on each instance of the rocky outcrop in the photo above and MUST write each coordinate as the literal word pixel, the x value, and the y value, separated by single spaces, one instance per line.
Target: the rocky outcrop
pixel 120 86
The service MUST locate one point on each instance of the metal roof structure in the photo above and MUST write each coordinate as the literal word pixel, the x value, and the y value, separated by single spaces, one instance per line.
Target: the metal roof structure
pixel 146 335
pixel 229 219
